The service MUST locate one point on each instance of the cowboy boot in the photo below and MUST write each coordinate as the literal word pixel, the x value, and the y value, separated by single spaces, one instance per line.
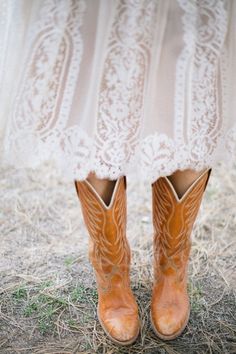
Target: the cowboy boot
pixel 110 256
pixel 173 220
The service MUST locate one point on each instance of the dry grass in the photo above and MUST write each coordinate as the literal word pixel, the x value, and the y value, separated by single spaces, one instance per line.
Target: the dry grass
pixel 47 292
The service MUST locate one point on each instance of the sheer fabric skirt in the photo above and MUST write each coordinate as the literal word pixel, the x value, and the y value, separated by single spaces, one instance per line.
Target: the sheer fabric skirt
pixel 141 87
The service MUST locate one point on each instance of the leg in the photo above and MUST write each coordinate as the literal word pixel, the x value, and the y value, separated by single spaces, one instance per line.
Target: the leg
pixel 182 180
pixel 104 187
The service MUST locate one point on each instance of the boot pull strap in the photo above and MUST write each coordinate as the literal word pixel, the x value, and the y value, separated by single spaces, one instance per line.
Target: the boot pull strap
pixel 209 173
pixel 76 187
pixel 125 182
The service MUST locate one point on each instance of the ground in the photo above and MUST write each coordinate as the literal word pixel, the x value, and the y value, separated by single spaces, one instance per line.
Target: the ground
pixel 48 293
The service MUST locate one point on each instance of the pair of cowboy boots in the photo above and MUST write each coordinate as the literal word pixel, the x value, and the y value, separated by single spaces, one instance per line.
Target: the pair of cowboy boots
pixel 110 255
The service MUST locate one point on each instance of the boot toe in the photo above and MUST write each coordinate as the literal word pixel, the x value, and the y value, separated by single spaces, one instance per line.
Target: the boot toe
pixel 170 323
pixel 123 328
pixel 168 326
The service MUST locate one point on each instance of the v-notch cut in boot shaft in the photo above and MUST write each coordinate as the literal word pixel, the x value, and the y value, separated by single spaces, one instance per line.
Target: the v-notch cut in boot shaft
pixel 180 199
pixel 100 199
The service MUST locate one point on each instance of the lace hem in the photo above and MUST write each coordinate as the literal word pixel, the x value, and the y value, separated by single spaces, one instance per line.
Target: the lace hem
pixel 75 155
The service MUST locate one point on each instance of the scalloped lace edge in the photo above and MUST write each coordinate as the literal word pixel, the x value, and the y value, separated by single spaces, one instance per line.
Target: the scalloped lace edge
pixel 155 156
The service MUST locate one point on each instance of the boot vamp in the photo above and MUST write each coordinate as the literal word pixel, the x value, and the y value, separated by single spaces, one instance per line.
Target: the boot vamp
pixel 170 305
pixel 118 312
pixel 119 300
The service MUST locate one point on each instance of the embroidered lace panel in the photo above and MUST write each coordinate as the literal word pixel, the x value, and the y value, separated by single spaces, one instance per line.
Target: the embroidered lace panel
pixel 39 131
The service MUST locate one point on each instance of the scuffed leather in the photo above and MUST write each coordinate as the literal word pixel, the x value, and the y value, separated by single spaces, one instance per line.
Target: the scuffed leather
pixel 110 255
pixel 173 220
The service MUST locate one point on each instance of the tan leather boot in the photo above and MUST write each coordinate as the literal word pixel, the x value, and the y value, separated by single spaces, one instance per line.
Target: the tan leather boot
pixel 173 220
pixel 110 255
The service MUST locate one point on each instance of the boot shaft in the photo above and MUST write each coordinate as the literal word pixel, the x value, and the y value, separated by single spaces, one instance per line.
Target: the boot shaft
pixel 109 251
pixel 173 220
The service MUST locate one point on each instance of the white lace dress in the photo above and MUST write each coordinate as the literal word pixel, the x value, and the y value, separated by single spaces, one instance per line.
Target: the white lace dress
pixel 141 87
